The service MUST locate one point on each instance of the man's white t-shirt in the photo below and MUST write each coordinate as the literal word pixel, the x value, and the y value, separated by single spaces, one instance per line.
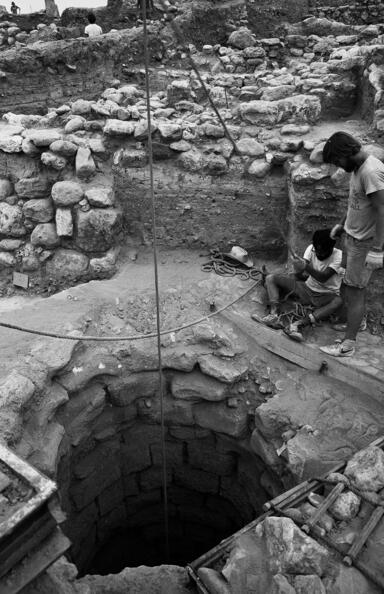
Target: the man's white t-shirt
pixel 361 216
pixel 332 285
pixel 93 30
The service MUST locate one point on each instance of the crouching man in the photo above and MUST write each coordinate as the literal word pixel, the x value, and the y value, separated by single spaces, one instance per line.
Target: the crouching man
pixel 321 290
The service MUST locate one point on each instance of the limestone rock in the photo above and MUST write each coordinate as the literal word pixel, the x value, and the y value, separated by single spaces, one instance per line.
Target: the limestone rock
pixel 8 245
pixel 211 130
pixel 81 107
pixel 130 157
pixel 290 550
pixel 119 128
pixel 241 38
pixel 280 585
pixel 85 165
pixel 66 193
pixel 346 506
pixel 295 129
pixel 98 147
pixel 259 112
pixel 191 160
pixel 309 584
pixel 104 266
pixel 305 174
pixel 29 148
pixel 316 155
pixel 11 220
pixel 214 164
pixel 100 197
pixel 63 147
pixel 299 108
pixel 97 229
pixel 15 391
pixel 142 130
pixel 67 264
pixel 366 469
pixel 64 222
pixel 179 90
pixel 7 260
pixel 217 416
pixel 6 188
pixel 197 386
pixel 170 131
pixel 259 168
pixel 33 187
pixel 52 160
pixel 349 580
pixel 250 147
pixel 43 137
pixel 39 209
pixel 11 144
pixel 181 146
pixel 74 124
pixel 44 235
pixel 276 93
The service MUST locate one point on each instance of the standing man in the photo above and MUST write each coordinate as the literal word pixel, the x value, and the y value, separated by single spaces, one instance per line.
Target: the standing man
pixel 92 30
pixel 363 226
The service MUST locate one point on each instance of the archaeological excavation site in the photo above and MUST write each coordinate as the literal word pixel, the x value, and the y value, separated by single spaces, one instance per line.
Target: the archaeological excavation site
pixel 191 215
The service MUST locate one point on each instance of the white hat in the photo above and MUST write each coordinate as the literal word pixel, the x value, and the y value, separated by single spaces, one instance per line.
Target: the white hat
pixel 241 255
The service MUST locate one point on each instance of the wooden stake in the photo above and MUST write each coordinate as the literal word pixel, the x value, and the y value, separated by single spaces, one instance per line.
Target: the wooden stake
pixel 333 495
pixel 364 535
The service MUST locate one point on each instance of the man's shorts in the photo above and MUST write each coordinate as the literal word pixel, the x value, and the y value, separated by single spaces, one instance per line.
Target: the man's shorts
pixel 309 297
pixel 355 251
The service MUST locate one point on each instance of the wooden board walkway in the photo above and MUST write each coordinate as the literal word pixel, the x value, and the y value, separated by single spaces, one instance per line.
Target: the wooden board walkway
pixel 367 379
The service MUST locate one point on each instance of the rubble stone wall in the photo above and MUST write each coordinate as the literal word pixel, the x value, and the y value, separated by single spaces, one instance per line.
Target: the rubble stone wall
pixel 362 12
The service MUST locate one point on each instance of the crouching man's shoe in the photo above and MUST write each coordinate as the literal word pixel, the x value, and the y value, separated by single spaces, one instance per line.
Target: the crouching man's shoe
pixel 346 348
pixel 293 331
pixel 271 320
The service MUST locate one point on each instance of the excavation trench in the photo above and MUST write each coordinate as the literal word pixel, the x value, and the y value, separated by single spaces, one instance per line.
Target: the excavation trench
pixel 111 486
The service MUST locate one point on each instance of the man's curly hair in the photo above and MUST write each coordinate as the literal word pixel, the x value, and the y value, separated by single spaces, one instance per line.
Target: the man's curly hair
pixel 340 144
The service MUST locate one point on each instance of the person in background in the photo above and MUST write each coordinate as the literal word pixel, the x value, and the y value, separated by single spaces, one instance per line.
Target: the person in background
pixel 14 8
pixel 363 226
pixel 149 8
pixel 321 289
pixel 92 30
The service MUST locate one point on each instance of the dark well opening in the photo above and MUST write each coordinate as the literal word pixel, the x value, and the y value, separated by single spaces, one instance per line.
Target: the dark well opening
pixel 112 493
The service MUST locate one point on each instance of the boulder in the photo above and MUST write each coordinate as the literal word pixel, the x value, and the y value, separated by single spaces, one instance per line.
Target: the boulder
pixel 299 108
pixel 85 165
pixel 97 229
pixel 259 168
pixel 191 160
pixel 67 264
pixel 170 131
pixel 81 107
pixel 38 209
pixel 66 193
pixel 366 469
pixel 11 144
pixel 259 112
pixel 119 128
pixel 6 189
pixel 53 160
pixel 11 220
pixel 44 235
pixel 29 148
pixel 276 93
pixel 197 386
pixel 290 550
pixel 100 197
pixel 74 124
pixel 33 187
pixel 43 137
pixel 250 147
pixel 7 260
pixel 63 147
pixel 64 222
pixel 179 90
pixel 142 130
pixel 241 38
pixel 130 157
pixel 104 266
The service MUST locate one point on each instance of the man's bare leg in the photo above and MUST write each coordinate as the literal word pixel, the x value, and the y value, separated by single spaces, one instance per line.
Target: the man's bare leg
pixel 355 310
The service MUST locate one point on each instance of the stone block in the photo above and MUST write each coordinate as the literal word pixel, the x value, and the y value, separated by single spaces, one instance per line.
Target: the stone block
pixel 97 229
pixel 197 386
pixel 126 389
pixel 67 264
pixel 250 147
pixel 173 452
pixel 197 480
pixel 63 147
pixel 119 128
pixel 85 165
pixel 74 124
pixel 66 193
pixel 85 491
pixel 100 456
pixel 43 138
pixel 7 260
pixel 64 223
pixel 135 457
pixel 6 188
pixel 218 417
pixel 207 458
pixel 111 498
pixel 15 391
pixel 152 478
pixel 39 209
pixel 44 235
pixel 130 157
pixel 366 469
pixel 53 160
pixel 33 187
pixel 111 522
pixel 78 525
pixel 11 220
pixel 221 369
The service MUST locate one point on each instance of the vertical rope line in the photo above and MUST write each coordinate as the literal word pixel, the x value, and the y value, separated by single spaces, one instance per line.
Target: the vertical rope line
pixel 153 209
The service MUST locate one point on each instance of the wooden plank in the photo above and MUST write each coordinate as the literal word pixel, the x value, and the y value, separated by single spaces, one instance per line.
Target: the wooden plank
pixel 35 563
pixel 309 357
